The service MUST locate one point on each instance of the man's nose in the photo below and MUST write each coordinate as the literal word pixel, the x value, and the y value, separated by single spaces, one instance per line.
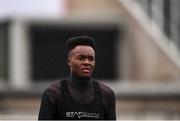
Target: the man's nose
pixel 86 61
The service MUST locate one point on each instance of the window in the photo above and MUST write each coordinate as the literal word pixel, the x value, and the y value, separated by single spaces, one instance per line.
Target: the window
pixel 49 52
pixel 167 18
pixel 4 50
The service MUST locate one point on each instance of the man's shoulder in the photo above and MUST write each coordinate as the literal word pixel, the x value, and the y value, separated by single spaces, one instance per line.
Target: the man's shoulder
pixel 106 90
pixel 55 87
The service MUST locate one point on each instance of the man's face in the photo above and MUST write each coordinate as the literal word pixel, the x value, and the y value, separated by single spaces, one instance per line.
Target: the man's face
pixel 81 60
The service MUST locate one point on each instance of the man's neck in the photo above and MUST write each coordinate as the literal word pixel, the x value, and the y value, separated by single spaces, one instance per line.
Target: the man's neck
pixel 80 82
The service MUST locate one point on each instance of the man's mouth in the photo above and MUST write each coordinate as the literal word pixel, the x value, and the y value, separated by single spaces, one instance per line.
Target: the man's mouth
pixel 86 70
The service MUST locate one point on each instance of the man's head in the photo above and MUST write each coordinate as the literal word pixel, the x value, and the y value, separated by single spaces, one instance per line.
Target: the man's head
pixel 81 55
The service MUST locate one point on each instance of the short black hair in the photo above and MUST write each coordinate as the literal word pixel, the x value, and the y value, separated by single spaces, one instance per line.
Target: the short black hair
pixel 80 40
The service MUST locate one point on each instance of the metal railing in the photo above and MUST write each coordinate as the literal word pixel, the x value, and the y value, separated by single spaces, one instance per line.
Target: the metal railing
pixel 166 14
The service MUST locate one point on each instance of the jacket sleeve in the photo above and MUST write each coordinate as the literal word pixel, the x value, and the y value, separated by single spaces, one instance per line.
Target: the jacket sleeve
pixel 113 107
pixel 111 110
pixel 48 106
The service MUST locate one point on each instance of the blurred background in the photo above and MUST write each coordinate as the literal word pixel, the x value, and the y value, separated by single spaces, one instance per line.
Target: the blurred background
pixel 137 54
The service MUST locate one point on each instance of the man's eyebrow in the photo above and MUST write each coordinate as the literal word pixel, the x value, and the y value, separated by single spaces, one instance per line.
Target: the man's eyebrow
pixel 80 55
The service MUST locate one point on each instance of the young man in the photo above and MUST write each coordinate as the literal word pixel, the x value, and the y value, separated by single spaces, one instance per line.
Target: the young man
pixel 79 96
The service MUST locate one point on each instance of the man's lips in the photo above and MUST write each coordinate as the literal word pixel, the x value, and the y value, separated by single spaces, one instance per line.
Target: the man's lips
pixel 86 70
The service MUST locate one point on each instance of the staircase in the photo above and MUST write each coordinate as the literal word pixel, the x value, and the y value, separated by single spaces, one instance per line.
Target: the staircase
pixel 165 36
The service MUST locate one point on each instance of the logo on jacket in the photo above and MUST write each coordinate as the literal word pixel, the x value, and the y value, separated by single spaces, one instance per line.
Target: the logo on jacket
pixel 82 114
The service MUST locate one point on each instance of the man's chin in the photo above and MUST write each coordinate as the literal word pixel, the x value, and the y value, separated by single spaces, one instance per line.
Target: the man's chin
pixel 85 76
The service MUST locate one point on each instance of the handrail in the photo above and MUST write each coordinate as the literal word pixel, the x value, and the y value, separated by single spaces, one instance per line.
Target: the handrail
pixel 156 33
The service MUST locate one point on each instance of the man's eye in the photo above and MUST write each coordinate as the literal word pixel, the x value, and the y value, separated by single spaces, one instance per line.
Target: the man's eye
pixel 91 58
pixel 81 58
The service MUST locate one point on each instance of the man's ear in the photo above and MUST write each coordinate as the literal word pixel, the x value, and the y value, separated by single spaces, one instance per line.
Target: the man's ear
pixel 69 58
pixel 69 61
